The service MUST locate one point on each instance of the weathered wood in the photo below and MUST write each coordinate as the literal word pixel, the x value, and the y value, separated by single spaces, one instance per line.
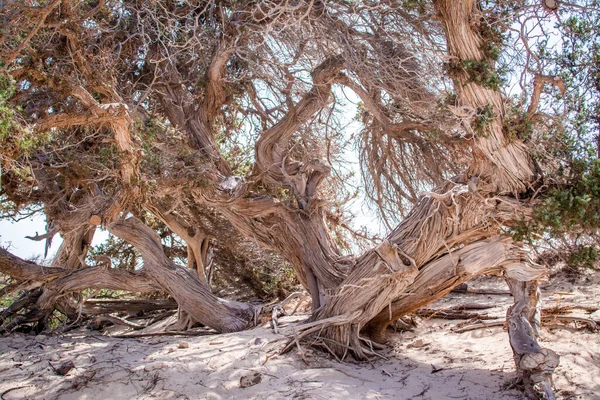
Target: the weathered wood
pixel 452 234
pixel 117 321
pixel 450 314
pixel 535 364
pixel 191 295
pixel 26 271
pixel 197 241
pixel 102 306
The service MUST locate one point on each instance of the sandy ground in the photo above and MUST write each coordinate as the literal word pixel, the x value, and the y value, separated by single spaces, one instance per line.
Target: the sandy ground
pixel 433 362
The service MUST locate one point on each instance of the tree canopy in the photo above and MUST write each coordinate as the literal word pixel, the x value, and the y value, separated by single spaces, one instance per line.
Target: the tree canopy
pixel 216 141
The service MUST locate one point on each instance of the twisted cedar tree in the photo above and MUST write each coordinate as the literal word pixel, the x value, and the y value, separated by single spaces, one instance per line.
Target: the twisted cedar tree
pixel 221 121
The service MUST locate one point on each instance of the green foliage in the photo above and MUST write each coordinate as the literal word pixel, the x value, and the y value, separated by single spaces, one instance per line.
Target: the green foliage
pixel 148 131
pixel 567 213
pixel 481 72
pixel 12 135
pixel 572 209
pixel 281 283
pixel 418 6
pixel 8 299
pixel 577 205
pixel 7 114
pixel 583 256
pixel 492 38
pixel 483 118
pixel 55 320
pixel 517 125
pixel 521 232
pixel 263 279
pixel 122 254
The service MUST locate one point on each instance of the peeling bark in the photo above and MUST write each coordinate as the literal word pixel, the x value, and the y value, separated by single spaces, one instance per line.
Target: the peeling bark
pixel 494 256
pixel 193 297
pixel 453 233
pixel 74 248
pixel 196 240
pixel 535 364
pixel 502 163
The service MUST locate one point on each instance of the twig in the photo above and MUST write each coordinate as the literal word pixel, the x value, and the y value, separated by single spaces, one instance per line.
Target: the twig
pixel 450 314
pixel 164 333
pixel 480 326
pixel 593 324
pixel 11 389
pixel 119 321
pixel 42 19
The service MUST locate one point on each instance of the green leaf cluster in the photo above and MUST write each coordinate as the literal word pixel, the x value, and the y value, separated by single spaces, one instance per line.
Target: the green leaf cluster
pixel 481 72
pixel 570 210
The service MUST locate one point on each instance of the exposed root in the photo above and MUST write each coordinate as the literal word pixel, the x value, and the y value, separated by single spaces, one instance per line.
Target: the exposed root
pixel 184 322
pixel 534 363
pixel 20 311
pixel 337 336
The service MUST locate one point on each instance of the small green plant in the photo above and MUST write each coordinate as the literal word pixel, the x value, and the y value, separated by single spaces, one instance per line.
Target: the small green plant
pixel 517 125
pixel 492 38
pixel 419 6
pixel 481 72
pixel 7 113
pixel 482 119
pixel 12 134
pixel 583 256
pixel 8 300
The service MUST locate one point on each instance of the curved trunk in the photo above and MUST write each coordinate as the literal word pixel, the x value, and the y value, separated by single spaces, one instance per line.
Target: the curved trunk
pixel 535 364
pixel 494 256
pixel 196 240
pixel 502 163
pixel 303 240
pixel 442 243
pixel 74 248
pixel 193 297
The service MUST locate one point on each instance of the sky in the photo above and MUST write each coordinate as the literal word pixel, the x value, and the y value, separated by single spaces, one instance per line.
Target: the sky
pixel 12 234
pixel 12 237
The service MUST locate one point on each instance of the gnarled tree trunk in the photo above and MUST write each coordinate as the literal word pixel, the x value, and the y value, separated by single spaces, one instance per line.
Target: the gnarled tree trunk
pixel 192 296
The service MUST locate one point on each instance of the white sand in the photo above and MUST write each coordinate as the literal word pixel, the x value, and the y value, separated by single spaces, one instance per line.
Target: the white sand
pixel 476 364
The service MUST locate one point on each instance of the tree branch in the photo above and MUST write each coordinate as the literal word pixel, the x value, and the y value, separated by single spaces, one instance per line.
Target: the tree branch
pixel 65 281
pixel 538 85
pixel 272 149
pixel 43 14
pixel 216 93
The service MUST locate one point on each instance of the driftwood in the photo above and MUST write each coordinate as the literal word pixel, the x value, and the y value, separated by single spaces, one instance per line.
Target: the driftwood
pixel 445 314
pixel 102 306
pixel 547 320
